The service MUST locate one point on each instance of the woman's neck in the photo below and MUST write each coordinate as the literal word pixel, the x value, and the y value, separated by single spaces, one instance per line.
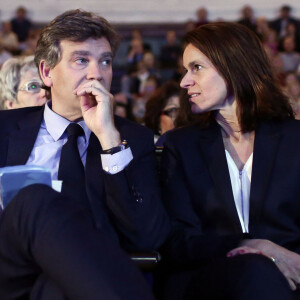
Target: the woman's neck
pixel 239 144
pixel 228 120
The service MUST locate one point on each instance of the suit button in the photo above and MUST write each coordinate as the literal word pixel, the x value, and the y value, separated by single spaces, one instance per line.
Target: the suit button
pixel 139 200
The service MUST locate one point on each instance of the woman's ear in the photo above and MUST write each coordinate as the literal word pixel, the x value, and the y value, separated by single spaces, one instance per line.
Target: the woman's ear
pixel 10 104
pixel 45 73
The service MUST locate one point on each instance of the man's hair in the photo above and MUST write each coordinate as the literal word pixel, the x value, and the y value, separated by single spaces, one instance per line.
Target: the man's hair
pixel 76 26
pixel 11 74
pixel 239 57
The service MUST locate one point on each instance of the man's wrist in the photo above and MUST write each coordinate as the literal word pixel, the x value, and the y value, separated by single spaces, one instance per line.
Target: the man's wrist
pixel 122 146
pixel 109 139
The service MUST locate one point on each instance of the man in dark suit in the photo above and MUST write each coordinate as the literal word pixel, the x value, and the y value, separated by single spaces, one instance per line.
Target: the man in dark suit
pixel 72 238
pixel 280 24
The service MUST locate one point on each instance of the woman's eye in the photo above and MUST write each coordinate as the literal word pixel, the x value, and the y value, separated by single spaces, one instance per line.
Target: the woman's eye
pixel 197 67
pixel 33 86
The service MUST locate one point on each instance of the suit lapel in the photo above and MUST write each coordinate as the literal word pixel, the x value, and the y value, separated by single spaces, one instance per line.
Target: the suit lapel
pixel 22 140
pixel 212 147
pixel 265 149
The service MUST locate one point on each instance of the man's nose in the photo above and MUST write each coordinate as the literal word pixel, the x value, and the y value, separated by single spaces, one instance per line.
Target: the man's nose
pixel 94 72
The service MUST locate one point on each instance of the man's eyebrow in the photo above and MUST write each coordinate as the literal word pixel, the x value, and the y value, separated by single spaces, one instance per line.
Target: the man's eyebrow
pixel 107 54
pixel 80 52
pixel 88 53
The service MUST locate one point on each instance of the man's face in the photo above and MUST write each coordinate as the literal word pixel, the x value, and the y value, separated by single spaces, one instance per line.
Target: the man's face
pixel 80 62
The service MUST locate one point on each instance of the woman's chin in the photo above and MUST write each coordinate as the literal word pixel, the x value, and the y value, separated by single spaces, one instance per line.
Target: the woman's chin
pixel 196 109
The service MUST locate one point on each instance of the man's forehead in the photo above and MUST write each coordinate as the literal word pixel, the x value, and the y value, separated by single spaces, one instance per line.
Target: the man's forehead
pixel 98 45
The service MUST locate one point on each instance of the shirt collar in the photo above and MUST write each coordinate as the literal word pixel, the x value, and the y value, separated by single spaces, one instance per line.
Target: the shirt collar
pixel 56 124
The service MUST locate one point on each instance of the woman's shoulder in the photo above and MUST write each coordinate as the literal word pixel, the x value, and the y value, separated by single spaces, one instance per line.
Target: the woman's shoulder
pixel 288 126
pixel 190 133
pixel 288 130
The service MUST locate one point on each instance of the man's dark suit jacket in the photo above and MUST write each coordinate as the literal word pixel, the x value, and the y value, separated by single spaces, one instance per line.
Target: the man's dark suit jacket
pixel 198 194
pixel 276 24
pixel 125 205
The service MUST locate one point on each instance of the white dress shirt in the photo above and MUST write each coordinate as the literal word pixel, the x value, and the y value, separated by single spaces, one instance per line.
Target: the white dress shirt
pixel 240 183
pixel 51 138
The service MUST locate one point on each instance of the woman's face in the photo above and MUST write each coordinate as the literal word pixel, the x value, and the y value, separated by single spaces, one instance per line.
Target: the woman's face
pixel 172 106
pixel 206 88
pixel 29 92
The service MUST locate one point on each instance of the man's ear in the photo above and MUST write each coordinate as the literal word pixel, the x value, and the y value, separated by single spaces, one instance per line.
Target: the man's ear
pixel 45 73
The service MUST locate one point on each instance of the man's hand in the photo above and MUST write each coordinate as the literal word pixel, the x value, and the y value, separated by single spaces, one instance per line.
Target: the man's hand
pixel 97 111
pixel 287 261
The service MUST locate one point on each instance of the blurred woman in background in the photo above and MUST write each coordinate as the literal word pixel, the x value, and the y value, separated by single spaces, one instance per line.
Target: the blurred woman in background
pixel 162 108
pixel 20 84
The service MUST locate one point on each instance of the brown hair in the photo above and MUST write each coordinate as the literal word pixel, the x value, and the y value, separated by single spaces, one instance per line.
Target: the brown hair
pixel 157 102
pixel 73 25
pixel 239 57
pixel 76 26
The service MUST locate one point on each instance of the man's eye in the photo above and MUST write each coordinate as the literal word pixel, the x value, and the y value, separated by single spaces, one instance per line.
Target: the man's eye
pixel 106 62
pixel 81 60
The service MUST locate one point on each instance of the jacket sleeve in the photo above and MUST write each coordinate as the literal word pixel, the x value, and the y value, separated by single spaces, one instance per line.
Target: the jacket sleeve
pixel 134 198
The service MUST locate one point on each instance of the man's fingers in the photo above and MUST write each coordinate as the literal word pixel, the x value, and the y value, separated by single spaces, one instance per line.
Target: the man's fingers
pixel 92 84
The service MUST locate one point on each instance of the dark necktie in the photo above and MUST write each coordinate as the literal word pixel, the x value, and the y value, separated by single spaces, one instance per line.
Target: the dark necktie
pixel 71 170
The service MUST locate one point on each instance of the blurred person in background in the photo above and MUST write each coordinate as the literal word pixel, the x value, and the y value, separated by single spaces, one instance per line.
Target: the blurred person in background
pixel 151 65
pixel 147 89
pixel 248 18
pixel 162 109
pixel 123 106
pixel 4 55
pixel 136 51
pixel 31 42
pixel 270 41
pixel 290 58
pixel 9 38
pixel 202 16
pixel 262 27
pixel 170 51
pixel 280 24
pixel 21 25
pixel 294 31
pixel 20 84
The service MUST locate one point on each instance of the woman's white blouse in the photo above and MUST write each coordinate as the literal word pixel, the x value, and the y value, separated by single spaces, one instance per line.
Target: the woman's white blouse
pixel 240 183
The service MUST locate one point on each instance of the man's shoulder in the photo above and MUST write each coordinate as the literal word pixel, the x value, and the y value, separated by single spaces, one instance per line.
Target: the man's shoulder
pixel 13 116
pixel 131 128
pixel 20 111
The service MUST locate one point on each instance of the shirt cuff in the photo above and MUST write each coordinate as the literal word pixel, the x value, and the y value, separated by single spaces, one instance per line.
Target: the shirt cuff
pixel 117 162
